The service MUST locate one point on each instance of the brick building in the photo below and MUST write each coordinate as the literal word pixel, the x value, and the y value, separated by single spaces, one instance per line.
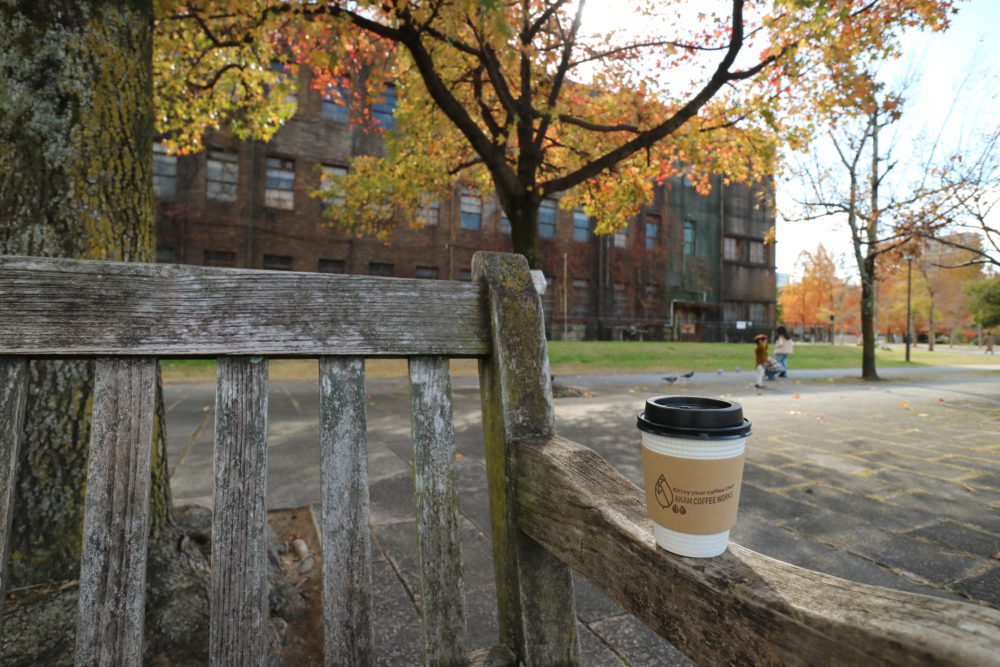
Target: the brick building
pixel 688 267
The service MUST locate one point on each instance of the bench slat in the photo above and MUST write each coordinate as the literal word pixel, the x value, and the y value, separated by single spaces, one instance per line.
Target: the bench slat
pixel 13 393
pixel 441 596
pixel 78 307
pixel 347 579
pixel 116 512
pixel 238 634
pixel 534 588
pixel 740 607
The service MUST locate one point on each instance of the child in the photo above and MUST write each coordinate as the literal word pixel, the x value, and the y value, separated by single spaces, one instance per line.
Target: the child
pixel 761 360
pixel 783 348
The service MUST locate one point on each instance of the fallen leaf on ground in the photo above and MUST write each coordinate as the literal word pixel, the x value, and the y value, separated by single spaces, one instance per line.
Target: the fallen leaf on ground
pixel 459 456
pixel 923 414
pixel 969 488
pixel 996 556
pixel 794 412
pixel 796 395
pixel 905 406
pixel 940 400
pixel 586 394
pixel 819 419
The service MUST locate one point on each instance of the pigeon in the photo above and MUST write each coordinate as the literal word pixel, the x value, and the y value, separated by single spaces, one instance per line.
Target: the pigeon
pixel 738 368
pixel 688 375
pixel 670 378
pixel 719 371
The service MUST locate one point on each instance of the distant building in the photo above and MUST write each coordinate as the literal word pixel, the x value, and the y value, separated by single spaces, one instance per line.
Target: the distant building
pixel 688 267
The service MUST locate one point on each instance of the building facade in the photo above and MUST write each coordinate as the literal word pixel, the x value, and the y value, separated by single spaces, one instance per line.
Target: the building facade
pixel 688 267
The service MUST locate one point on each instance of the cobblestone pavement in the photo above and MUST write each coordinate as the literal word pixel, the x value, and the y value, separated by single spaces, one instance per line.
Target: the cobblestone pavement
pixel 895 484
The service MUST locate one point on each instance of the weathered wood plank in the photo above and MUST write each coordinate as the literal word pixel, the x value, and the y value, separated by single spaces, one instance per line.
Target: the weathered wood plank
pixel 116 510
pixel 347 578
pixel 738 608
pixel 13 393
pixel 238 634
pixel 534 588
pixel 441 595
pixel 77 307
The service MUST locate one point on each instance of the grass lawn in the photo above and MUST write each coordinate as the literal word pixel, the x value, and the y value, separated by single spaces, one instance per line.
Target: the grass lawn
pixel 581 357
pixel 577 357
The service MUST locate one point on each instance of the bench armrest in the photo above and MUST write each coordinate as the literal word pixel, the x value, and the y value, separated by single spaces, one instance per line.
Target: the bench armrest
pixel 740 607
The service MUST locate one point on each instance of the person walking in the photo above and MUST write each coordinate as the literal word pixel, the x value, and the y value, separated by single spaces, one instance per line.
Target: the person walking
pixel 783 346
pixel 760 358
pixel 988 343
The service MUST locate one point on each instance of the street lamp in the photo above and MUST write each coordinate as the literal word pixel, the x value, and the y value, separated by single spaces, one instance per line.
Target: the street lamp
pixel 909 284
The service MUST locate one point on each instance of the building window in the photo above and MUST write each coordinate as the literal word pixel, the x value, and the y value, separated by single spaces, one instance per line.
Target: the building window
pixel 222 175
pixel 652 234
pixel 285 81
pixel 277 262
pixel 621 238
pixel 758 313
pixel 429 211
pixel 621 300
pixel 689 238
pixel 472 210
pixel 164 172
pixel 166 253
pixel 379 269
pixel 547 219
pixel 729 248
pixel 757 254
pixel 465 274
pixel 328 183
pixel 581 226
pixel 427 272
pixel 580 297
pixel 220 258
pixel 279 189
pixel 382 111
pixel 335 104
pixel 732 311
pixel 332 266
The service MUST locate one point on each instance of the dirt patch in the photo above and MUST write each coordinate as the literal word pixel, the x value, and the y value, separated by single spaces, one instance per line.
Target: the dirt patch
pixel 306 573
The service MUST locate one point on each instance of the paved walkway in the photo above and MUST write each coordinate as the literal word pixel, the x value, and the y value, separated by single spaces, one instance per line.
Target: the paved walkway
pixel 895 484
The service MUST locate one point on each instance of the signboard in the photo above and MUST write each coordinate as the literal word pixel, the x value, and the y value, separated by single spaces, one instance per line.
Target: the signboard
pixel 538 278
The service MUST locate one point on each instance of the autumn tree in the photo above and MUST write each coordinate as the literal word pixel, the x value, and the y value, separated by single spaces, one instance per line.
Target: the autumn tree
pixel 818 294
pixel 945 266
pixel 855 184
pixel 520 98
pixel 984 301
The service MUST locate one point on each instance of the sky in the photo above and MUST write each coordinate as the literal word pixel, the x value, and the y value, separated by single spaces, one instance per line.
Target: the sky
pixel 941 60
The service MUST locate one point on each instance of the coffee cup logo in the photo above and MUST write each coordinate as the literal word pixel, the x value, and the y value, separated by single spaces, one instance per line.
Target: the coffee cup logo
pixel 664 494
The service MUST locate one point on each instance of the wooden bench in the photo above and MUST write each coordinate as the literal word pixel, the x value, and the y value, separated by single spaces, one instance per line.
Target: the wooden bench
pixel 554 504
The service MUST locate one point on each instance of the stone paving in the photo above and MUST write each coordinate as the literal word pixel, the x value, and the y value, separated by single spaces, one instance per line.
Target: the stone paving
pixel 895 484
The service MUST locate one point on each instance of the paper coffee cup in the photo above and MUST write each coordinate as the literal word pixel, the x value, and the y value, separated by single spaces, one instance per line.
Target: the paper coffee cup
pixel 692 455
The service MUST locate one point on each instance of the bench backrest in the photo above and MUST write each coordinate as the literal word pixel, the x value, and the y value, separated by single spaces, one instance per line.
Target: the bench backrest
pixel 552 502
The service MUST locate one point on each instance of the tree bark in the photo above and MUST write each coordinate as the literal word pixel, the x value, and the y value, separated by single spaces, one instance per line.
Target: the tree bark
pixel 868 371
pixel 76 128
pixel 523 216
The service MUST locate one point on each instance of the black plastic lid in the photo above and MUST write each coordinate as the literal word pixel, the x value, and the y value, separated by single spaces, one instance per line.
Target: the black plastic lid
pixel 693 417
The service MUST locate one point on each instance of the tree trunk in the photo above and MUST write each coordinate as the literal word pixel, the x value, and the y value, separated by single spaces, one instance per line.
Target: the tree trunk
pixel 522 212
pixel 868 321
pixel 930 325
pixel 76 128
